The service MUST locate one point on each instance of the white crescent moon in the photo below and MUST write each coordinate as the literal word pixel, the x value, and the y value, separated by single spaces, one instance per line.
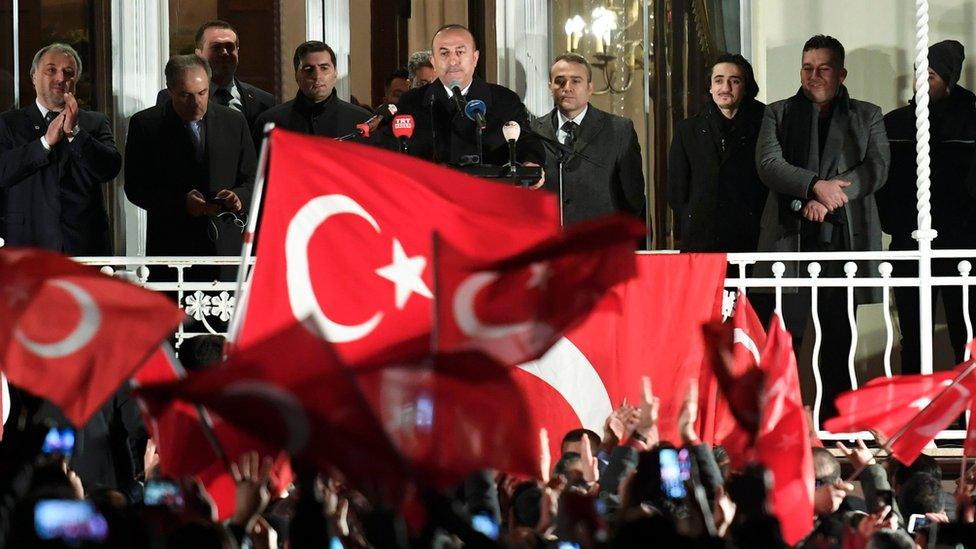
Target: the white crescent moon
pixel 88 324
pixel 301 296
pixel 289 408
pixel 505 342
pixel 740 336
pixel 568 371
pixel 933 428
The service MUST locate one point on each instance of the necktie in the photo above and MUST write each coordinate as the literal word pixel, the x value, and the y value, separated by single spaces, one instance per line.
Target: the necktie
pixel 50 116
pixel 570 128
pixel 223 96
pixel 194 127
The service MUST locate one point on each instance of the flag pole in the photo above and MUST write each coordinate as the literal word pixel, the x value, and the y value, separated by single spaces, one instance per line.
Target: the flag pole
pixel 208 430
pixel 243 280
pixel 887 445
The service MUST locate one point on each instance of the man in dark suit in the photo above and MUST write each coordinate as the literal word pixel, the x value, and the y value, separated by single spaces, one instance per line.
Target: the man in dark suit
pixel 217 42
pixel 610 177
pixel 190 164
pixel 316 109
pixel 713 186
pixel 442 132
pixel 54 158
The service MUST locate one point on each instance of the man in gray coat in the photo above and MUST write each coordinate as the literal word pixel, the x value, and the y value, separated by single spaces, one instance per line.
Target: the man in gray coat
pixel 610 177
pixel 822 155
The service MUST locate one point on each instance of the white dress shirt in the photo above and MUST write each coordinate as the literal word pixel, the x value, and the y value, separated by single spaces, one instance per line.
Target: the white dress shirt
pixel 561 136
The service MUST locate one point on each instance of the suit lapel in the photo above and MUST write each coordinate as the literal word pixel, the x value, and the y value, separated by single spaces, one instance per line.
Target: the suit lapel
pixel 704 134
pixel 210 146
pixel 247 99
pixel 36 121
pixel 591 126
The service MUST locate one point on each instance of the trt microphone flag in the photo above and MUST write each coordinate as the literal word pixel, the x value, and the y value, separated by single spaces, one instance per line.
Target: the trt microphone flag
pixel 346 236
pixel 72 335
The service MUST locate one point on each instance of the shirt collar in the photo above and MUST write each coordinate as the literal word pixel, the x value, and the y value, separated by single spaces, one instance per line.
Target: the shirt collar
pixel 463 92
pixel 578 118
pixel 44 110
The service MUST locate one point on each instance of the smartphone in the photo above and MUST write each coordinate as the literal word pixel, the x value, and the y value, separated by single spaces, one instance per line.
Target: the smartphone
pixel 484 524
pixel 59 441
pixel 162 492
pixel 69 520
pixel 671 482
pixel 568 545
pixel 916 522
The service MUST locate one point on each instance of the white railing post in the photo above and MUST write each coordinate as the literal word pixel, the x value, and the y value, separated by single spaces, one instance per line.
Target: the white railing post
pixel 925 234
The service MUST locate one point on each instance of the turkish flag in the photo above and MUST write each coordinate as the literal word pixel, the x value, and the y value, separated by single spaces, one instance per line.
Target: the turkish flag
pixel 72 335
pixel 379 426
pixel 649 325
pixel 515 309
pixel 731 412
pixel 783 442
pixel 346 238
pixel 183 446
pixel 908 410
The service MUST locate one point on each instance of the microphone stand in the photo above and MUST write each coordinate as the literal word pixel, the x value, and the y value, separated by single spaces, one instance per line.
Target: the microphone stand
pixel 564 154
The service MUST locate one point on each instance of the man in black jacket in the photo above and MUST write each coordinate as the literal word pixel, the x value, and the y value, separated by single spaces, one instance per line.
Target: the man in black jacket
pixel 442 132
pixel 54 159
pixel 713 186
pixel 610 179
pixel 952 115
pixel 316 109
pixel 217 42
pixel 190 164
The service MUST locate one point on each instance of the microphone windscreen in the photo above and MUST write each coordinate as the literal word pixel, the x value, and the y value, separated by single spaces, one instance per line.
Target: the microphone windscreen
pixel 511 130
pixel 403 126
pixel 475 106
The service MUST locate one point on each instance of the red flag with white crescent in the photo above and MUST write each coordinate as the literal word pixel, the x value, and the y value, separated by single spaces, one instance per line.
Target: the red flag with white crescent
pixel 72 335
pixel 346 238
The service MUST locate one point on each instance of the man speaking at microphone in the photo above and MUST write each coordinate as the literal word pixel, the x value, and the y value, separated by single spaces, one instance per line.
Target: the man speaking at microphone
pixel 316 109
pixel 443 133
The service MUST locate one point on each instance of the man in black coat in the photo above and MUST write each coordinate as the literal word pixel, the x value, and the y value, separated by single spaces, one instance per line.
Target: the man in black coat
pixel 190 164
pixel 442 132
pixel 610 179
pixel 217 42
pixel 316 109
pixel 54 159
pixel 952 115
pixel 713 186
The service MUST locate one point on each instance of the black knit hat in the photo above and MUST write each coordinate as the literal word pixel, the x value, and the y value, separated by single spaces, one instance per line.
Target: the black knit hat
pixel 946 58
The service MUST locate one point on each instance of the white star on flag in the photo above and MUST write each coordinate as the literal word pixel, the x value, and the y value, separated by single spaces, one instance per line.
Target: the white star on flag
pixel 407 274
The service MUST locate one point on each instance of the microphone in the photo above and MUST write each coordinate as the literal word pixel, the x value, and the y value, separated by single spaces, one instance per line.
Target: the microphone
pixel 403 125
pixel 475 110
pixel 455 86
pixel 511 130
pixel 826 227
pixel 383 114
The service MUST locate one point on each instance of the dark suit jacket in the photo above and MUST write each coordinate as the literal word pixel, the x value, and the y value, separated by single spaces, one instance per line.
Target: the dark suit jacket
pixel 442 134
pixel 713 186
pixel 254 99
pixel 612 182
pixel 331 118
pixel 160 169
pixel 53 200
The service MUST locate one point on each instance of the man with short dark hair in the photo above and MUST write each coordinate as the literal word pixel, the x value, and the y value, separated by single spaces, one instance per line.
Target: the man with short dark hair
pixel 54 159
pixel 442 132
pixel 316 109
pixel 823 155
pixel 396 84
pixel 713 186
pixel 420 69
pixel 218 43
pixel 611 178
pixel 190 164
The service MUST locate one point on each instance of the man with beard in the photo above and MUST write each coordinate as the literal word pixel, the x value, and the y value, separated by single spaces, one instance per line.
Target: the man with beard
pixel 822 155
pixel 316 109
pixel 713 186
pixel 952 115
pixel 218 43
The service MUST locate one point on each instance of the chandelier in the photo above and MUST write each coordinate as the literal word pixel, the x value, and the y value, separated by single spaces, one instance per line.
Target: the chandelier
pixel 609 49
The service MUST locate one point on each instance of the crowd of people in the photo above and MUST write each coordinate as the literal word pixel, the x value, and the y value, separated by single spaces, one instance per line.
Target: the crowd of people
pixel 819 171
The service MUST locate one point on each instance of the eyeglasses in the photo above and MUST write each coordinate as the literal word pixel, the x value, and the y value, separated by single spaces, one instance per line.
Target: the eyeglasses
pixel 823 481
pixel 214 233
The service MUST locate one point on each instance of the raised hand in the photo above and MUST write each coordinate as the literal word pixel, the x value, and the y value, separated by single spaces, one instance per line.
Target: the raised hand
pixel 251 475
pixel 689 415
